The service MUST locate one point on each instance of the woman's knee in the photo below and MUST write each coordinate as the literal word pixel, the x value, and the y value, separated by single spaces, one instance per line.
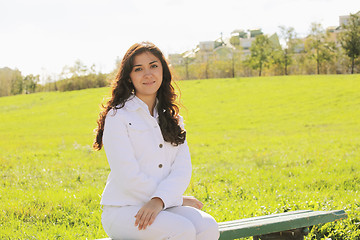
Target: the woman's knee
pixel 186 231
pixel 210 229
pixel 205 225
pixel 177 227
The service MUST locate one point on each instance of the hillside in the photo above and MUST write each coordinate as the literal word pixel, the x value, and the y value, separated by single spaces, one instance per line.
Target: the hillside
pixel 259 146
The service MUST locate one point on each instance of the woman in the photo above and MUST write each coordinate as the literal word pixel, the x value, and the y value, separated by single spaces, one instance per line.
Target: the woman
pixel 144 141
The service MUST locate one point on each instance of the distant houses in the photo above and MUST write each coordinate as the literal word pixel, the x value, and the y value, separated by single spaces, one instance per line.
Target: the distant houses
pixel 334 31
pixel 243 39
pixel 344 20
pixel 223 49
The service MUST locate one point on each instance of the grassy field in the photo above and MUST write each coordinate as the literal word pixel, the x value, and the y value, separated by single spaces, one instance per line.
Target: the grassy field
pixel 259 146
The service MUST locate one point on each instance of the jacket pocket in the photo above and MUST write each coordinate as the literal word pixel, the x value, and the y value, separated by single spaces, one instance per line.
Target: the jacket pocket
pixel 137 128
pixel 140 136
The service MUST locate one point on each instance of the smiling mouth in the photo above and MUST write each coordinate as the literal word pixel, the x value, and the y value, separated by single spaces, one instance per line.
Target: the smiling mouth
pixel 149 83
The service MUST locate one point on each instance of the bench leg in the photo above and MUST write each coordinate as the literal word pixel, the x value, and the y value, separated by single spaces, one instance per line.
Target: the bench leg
pixel 296 234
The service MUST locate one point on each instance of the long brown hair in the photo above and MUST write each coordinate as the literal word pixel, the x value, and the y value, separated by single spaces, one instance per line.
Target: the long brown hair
pixel 122 89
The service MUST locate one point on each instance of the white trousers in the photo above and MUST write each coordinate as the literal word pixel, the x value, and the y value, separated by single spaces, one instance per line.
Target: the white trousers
pixel 176 223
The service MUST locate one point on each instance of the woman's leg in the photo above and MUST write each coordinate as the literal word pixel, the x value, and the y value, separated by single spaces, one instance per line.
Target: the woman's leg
pixel 119 223
pixel 205 225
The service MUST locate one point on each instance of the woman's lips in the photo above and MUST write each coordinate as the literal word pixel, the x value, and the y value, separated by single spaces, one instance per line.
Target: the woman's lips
pixel 149 83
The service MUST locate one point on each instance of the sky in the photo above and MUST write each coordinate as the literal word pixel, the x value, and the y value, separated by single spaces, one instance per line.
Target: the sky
pixel 43 36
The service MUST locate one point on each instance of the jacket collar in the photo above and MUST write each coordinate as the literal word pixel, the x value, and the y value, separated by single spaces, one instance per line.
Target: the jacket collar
pixel 134 103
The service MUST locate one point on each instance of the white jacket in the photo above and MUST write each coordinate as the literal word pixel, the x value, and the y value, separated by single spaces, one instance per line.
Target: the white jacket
pixel 142 164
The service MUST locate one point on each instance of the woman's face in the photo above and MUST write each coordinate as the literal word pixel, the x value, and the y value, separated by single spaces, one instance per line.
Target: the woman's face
pixel 146 75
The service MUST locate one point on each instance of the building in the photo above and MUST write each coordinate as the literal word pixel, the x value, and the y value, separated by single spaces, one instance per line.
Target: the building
pixel 176 59
pixel 333 31
pixel 242 39
pixel 222 49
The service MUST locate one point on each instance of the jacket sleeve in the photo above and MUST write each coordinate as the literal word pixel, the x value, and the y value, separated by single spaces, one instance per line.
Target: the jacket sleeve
pixel 124 167
pixel 171 189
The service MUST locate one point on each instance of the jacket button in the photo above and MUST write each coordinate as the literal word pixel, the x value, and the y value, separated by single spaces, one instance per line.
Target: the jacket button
pixel 160 165
pixel 160 145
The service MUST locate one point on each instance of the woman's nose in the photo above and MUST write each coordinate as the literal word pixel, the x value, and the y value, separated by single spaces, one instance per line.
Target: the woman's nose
pixel 147 72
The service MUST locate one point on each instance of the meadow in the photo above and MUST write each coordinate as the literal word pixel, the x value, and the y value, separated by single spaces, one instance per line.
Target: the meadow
pixel 259 146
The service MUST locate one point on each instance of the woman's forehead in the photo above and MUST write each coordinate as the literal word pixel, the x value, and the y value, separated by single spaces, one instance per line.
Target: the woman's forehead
pixel 144 58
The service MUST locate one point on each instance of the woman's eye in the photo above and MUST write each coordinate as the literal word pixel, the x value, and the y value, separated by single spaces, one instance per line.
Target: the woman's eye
pixel 137 69
pixel 154 66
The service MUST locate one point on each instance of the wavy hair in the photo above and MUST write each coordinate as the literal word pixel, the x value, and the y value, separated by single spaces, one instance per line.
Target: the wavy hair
pixel 122 89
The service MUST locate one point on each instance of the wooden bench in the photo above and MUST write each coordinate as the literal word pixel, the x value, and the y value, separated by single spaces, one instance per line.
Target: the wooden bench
pixel 289 225
pixel 283 226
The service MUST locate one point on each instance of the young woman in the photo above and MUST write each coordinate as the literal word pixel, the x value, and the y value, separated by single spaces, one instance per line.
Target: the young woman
pixel 145 143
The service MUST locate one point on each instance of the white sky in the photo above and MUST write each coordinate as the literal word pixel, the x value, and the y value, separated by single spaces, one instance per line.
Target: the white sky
pixel 42 36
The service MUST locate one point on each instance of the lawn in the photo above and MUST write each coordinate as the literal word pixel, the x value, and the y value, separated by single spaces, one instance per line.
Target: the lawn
pixel 258 145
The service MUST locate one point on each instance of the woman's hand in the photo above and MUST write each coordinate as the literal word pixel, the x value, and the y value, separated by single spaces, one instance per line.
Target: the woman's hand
pixel 147 214
pixel 192 202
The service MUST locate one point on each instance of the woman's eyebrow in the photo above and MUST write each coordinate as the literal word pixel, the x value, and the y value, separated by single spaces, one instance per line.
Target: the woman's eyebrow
pixel 139 65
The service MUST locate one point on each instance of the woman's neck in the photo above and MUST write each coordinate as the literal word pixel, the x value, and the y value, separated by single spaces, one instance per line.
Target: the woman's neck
pixel 149 100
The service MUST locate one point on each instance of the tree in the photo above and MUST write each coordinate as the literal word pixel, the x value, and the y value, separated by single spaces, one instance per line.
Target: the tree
pixel 17 83
pixel 30 82
pixel 188 59
pixel 235 41
pixel 6 76
pixel 11 82
pixel 289 37
pixel 318 47
pixel 79 69
pixel 260 53
pixel 350 39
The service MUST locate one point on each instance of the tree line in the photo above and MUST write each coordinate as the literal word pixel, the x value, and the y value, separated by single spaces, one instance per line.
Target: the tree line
pixel 319 54
pixel 75 77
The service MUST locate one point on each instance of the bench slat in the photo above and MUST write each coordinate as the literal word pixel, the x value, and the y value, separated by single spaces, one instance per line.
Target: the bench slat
pixel 276 223
pixel 260 218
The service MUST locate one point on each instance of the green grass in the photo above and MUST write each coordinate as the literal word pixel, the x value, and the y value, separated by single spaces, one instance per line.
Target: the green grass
pixel 259 146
